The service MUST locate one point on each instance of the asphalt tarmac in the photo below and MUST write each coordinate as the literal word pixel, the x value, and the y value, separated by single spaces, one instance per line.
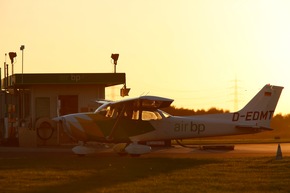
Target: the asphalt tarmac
pixel 240 150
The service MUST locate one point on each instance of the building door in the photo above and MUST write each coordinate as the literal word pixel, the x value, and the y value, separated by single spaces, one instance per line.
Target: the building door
pixel 68 104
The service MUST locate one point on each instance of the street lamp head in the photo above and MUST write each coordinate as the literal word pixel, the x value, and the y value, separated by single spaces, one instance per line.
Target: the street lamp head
pixel 12 55
pixel 115 58
pixel 22 47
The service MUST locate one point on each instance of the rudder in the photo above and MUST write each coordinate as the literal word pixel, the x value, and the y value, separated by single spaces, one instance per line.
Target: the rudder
pixel 260 109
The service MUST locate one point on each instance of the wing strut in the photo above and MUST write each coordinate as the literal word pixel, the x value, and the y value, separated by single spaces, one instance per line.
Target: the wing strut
pixel 110 137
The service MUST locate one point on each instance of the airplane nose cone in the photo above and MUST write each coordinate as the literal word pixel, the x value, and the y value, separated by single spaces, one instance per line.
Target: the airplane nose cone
pixel 71 126
pixel 63 125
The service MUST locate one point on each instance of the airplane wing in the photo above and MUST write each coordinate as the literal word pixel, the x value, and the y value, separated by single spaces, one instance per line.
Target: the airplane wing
pixel 151 102
pixel 142 102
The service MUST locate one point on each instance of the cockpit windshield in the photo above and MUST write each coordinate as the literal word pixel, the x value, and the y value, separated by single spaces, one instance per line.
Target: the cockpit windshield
pixel 165 115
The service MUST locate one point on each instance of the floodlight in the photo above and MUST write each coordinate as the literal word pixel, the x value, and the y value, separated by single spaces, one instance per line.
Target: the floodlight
pixel 12 55
pixel 115 58
pixel 124 91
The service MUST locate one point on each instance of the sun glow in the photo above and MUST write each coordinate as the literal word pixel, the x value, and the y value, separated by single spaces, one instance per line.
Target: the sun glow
pixel 190 51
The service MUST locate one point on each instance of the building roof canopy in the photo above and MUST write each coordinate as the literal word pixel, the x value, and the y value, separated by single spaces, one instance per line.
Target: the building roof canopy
pixel 105 79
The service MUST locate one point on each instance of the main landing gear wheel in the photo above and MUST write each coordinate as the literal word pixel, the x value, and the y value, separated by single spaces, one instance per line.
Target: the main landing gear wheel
pixel 82 150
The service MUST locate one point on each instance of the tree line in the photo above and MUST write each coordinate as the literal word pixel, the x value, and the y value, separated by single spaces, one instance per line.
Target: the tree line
pixel 172 110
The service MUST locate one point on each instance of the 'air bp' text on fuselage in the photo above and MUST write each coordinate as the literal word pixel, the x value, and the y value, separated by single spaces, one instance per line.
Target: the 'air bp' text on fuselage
pixel 253 116
pixel 189 127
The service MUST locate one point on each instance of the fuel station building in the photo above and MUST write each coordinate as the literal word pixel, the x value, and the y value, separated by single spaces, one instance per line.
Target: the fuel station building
pixel 30 101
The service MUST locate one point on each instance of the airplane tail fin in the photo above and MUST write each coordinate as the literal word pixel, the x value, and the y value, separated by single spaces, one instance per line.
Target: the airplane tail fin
pixel 259 111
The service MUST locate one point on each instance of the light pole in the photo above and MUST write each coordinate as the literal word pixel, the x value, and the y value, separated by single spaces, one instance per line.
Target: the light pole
pixel 115 58
pixel 12 55
pixel 22 49
pixel 22 94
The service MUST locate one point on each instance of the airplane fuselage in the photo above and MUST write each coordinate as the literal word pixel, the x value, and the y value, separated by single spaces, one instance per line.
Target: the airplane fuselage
pixel 96 127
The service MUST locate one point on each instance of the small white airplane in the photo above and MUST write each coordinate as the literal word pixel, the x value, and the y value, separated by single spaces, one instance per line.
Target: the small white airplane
pixel 129 122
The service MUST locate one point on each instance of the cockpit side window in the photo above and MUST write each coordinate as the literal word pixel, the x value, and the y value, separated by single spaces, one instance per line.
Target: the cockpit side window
pixel 135 115
pixel 150 115
pixel 131 114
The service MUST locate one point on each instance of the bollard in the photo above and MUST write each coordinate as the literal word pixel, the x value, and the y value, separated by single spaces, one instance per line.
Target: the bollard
pixel 279 153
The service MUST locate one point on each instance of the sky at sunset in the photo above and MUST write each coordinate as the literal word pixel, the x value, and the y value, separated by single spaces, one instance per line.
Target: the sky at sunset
pixel 188 50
